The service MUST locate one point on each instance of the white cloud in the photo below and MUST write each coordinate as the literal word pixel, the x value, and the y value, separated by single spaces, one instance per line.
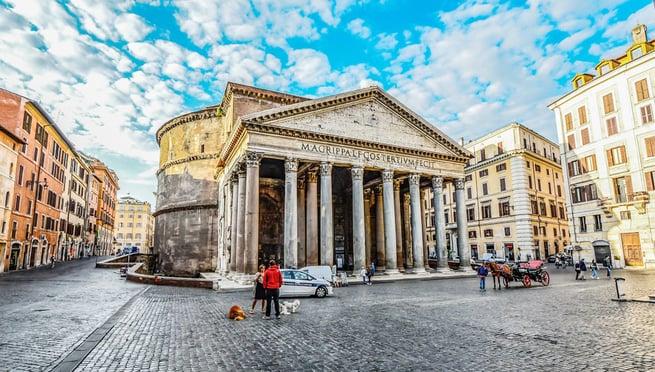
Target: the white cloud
pixel 356 26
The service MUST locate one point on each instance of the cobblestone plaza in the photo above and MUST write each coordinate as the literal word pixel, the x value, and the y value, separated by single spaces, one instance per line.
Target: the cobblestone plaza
pixel 85 319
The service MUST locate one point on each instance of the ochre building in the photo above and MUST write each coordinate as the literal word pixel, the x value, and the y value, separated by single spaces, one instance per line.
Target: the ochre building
pixel 330 181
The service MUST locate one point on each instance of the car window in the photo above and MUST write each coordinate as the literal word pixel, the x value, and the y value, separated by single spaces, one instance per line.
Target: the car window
pixel 302 276
pixel 287 275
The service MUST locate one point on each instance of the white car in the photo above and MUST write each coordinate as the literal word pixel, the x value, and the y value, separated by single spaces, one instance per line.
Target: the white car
pixel 298 283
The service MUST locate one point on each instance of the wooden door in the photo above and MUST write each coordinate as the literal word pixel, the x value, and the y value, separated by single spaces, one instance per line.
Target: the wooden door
pixel 632 249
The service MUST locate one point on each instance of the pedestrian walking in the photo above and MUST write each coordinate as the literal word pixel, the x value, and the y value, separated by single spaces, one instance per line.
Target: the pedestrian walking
pixel 608 266
pixel 371 272
pixel 272 284
pixel 577 270
pixel 259 293
pixel 364 274
pixel 482 274
pixel 583 269
pixel 52 261
pixel 558 262
pixel 594 269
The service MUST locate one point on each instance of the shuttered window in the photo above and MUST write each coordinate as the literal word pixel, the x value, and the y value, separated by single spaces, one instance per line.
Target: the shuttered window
pixel 584 135
pixel 616 156
pixel 642 90
pixel 612 127
pixel 608 103
pixel 650 146
pixel 568 119
pixel 571 141
pixel 582 115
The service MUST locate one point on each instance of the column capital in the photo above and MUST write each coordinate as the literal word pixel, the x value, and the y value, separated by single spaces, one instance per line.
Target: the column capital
pixel 312 177
pixel 414 179
pixel 396 184
pixel 459 184
pixel 437 182
pixel 326 168
pixel 367 194
pixel 253 159
pixel 387 175
pixel 380 188
pixel 301 183
pixel 357 172
pixel 290 165
pixel 406 197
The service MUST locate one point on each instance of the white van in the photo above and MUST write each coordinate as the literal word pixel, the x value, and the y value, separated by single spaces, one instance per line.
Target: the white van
pixel 322 272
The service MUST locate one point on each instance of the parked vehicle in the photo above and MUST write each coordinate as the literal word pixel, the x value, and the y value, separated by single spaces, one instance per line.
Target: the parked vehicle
pixel 297 283
pixel 321 272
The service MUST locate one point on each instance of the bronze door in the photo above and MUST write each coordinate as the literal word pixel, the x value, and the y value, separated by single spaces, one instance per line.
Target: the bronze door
pixel 632 249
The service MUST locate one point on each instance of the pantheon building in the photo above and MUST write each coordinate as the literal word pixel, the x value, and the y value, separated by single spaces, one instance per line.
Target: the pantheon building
pixel 337 181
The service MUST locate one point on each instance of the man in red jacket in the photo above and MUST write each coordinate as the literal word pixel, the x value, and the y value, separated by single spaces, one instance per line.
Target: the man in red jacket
pixel 272 284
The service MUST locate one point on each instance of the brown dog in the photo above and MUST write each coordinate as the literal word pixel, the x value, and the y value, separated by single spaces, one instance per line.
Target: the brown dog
pixel 236 313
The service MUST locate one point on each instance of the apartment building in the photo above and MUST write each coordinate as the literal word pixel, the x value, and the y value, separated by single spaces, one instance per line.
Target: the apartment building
pixel 103 189
pixel 73 240
pixel 9 147
pixel 134 226
pixel 606 131
pixel 514 192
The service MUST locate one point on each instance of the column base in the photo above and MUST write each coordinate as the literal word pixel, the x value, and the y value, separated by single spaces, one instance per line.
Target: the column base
pixel 419 270
pixel 391 272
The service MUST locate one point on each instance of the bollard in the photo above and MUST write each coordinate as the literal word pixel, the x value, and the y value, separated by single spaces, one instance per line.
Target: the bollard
pixel 618 292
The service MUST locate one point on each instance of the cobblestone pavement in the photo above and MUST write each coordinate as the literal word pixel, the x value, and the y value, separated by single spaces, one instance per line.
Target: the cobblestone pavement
pixel 400 326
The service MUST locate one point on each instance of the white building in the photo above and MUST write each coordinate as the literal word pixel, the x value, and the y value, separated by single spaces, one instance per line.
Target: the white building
pixel 606 132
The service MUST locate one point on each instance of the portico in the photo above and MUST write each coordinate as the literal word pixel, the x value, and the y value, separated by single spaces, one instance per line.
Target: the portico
pixel 322 182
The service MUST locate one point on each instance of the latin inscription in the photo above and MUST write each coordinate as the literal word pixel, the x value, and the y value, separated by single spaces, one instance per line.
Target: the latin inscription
pixel 368 155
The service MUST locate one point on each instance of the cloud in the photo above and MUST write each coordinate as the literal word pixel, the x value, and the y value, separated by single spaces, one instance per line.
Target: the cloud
pixel 356 26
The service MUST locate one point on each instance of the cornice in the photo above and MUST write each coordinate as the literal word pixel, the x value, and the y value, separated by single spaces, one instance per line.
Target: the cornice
pixel 510 154
pixel 206 113
pixel 205 156
pixel 248 91
pixel 187 207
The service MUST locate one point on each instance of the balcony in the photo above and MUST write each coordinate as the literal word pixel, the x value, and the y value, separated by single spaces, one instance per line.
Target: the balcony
pixel 639 199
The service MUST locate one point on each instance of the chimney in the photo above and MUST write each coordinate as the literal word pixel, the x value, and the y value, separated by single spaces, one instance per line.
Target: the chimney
pixel 639 34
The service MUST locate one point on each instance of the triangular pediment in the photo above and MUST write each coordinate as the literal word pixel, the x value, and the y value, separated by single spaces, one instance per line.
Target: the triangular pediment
pixel 367 116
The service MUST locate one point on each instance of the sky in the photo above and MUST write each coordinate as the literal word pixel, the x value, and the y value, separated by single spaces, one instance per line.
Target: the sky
pixel 112 72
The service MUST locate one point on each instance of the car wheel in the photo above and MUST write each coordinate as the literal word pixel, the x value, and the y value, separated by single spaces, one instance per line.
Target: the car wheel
pixel 321 292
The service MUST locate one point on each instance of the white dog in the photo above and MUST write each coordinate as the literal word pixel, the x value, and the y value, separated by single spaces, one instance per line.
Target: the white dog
pixel 289 307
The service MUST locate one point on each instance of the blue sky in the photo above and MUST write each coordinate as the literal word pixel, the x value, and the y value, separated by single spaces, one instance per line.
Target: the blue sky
pixel 112 72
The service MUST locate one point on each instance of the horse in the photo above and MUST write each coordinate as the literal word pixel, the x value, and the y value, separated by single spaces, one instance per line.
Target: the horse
pixel 498 271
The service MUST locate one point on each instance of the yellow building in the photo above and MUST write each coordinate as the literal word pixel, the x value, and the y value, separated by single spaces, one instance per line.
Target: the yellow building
pixel 134 226
pixel 606 132
pixel 515 203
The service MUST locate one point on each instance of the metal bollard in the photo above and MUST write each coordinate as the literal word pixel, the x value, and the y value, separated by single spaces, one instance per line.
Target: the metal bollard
pixel 618 292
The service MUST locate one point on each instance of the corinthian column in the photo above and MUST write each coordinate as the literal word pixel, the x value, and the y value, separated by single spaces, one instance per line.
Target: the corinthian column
pixel 380 259
pixel 439 223
pixel 408 230
pixel 327 228
pixel 399 227
pixel 290 213
pixel 312 219
pixel 359 233
pixel 368 240
pixel 301 223
pixel 389 223
pixel 241 219
pixel 234 224
pixel 251 238
pixel 417 225
pixel 462 243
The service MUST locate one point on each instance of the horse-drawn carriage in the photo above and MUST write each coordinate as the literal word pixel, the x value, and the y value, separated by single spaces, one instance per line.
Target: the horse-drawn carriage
pixel 525 272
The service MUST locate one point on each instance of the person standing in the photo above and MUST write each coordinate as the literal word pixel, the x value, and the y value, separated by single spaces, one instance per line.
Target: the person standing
pixel 577 270
pixel 583 269
pixel 482 274
pixel 608 266
pixel 594 269
pixel 259 291
pixel 364 274
pixel 272 283
pixel 371 272
pixel 52 261
pixel 558 263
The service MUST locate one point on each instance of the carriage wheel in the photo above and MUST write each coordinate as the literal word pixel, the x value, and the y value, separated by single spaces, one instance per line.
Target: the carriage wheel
pixel 545 278
pixel 526 281
pixel 505 281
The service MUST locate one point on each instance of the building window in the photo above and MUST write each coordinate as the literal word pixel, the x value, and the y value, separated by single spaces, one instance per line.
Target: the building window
pixel 484 173
pixel 646 114
pixel 598 223
pixel 623 189
pixel 468 178
pixel 616 156
pixel 501 167
pixel 604 69
pixel 483 155
pixel 537 167
pixel 589 163
pixel 539 184
pixel 508 231
pixel 470 213
pixel 530 182
pixel 582 115
pixel 486 211
pixel 568 120
pixel 503 185
pixel 488 233
pixel 27 122
pixel 612 127
pixel 553 209
pixel 584 136
pixel 650 180
pixel 584 193
pixel 473 234
pixel 650 146
pixel 641 87
pixel 570 140
pixel 608 103
pixel 469 193
pixel 535 230
pixel 503 207
pixel 485 189
pixel 625 215
pixel 559 191
pixel 582 221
